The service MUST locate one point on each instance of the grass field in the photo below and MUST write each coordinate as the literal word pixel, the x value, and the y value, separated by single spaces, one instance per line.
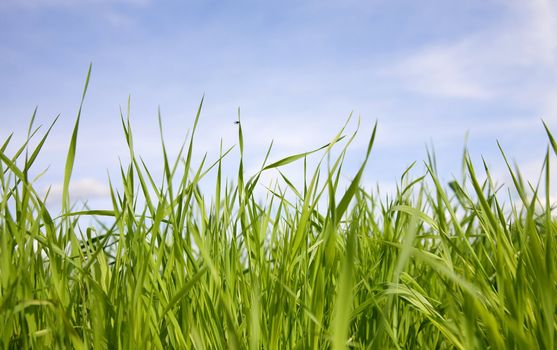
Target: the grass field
pixel 462 265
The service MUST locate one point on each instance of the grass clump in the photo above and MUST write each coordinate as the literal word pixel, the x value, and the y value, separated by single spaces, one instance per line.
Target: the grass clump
pixel 315 266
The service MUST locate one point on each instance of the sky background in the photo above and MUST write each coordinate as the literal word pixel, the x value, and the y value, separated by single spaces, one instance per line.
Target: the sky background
pixel 427 71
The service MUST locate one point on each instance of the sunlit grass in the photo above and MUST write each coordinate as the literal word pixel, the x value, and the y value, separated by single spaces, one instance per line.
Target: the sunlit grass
pixel 321 265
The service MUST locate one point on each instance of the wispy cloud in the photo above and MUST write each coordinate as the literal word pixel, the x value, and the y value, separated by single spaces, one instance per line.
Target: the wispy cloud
pixel 82 189
pixel 490 63
pixel 447 71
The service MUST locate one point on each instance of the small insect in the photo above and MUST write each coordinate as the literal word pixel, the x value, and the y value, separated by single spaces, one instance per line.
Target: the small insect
pixel 237 122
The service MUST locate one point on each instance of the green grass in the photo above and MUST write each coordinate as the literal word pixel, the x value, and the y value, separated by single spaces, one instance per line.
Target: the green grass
pixel 316 266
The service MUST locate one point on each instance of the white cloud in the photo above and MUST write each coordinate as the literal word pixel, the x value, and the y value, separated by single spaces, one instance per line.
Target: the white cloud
pixel 441 71
pixel 491 62
pixel 84 188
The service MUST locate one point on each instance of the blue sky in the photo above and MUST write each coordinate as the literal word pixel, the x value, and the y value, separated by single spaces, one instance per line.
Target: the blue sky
pixel 428 71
